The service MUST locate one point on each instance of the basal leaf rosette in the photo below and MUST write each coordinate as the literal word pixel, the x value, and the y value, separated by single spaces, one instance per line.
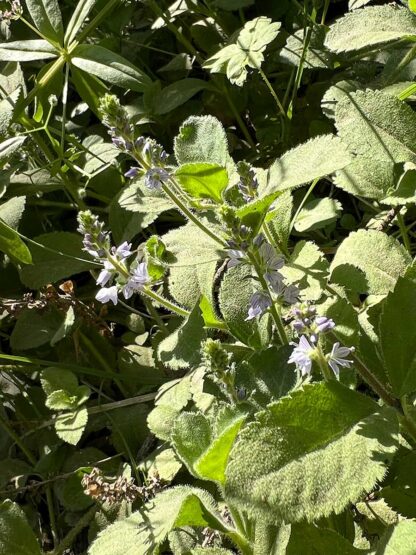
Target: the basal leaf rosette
pixel 311 454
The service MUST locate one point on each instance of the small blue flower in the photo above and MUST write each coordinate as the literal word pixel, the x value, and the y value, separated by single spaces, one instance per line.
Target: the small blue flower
pixel 270 259
pixel 259 303
pixel 123 251
pixel 106 274
pixel 301 355
pixel 106 294
pixel 154 178
pixel 139 278
pixel 324 324
pixel 337 358
pixel 132 172
pixel 236 257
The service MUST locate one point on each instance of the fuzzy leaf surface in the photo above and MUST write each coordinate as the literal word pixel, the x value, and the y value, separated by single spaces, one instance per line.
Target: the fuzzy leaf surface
pixel 369 261
pixel 311 454
pixel 181 348
pixel 398 334
pixel 370 27
pixel 316 158
pixel 203 180
pixel 16 536
pixel 381 130
pixel 174 508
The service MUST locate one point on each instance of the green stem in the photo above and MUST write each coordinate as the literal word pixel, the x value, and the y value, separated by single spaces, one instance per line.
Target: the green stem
pixel 273 310
pixel 403 232
pixel 238 118
pixel 51 512
pixel 272 92
pixel 95 22
pixel 28 454
pixel 301 205
pixel 165 302
pixel 323 365
pixel 101 360
pixel 190 215
pixel 68 540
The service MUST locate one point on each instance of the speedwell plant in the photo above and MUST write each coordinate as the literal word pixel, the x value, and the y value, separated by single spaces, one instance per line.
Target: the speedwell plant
pixel 208 291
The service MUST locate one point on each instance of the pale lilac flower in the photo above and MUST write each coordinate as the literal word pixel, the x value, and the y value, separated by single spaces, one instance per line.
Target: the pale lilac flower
pixel 271 260
pixel 132 172
pixel 259 303
pixel 301 355
pixel 337 358
pixel 139 278
pixel 236 257
pixel 275 280
pixel 324 324
pixel 123 251
pixel 105 274
pixel 154 177
pixel 106 294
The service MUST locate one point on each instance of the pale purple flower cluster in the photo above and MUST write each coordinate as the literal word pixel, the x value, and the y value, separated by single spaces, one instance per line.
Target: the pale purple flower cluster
pixel 96 241
pixel 310 326
pixel 307 322
pixel 153 159
pixel 271 262
pixel 248 183
pixel 97 244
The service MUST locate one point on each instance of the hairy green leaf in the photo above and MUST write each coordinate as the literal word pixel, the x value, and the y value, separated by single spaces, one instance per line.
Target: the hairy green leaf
pixel 70 426
pixel 16 536
pixel 7 106
pixel 172 398
pixel 370 27
pixel 321 448
pixel 398 539
pixel 194 265
pixel 203 180
pixel 308 539
pixel 317 214
pixel 236 290
pixel 308 268
pixel 181 349
pixel 316 158
pixel 201 139
pixel 34 328
pixel 398 334
pixel 143 532
pixel 369 261
pixel 399 489
pixel 381 130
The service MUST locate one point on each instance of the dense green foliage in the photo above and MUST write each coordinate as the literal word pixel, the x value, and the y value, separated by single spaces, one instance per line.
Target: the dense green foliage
pixel 207 284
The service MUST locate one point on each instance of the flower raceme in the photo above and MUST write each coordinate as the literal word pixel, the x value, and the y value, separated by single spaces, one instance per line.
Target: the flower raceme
pixel 310 327
pixel 115 277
